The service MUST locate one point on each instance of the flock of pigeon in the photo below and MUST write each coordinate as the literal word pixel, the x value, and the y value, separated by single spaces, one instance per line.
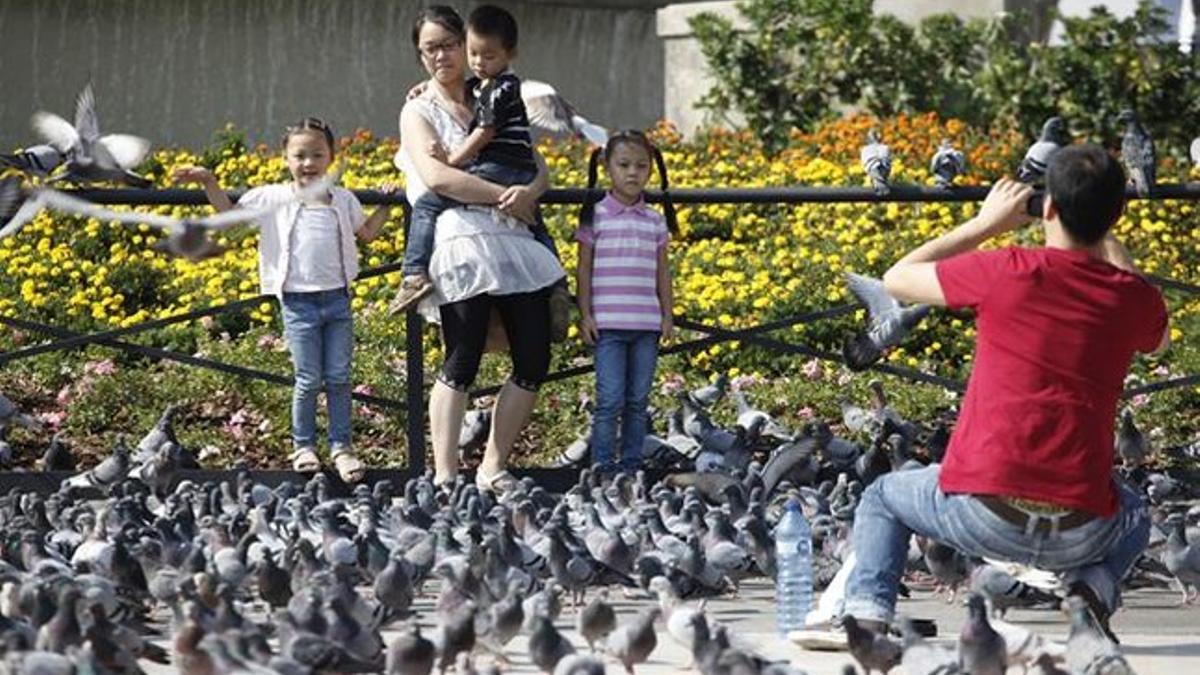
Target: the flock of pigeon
pixel 242 578
pixel 1137 153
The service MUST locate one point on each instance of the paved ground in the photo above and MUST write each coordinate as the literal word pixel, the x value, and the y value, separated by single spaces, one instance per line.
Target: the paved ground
pixel 1157 635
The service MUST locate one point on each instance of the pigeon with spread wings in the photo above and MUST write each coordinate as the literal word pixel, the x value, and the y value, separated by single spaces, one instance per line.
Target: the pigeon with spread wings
pixel 186 237
pixel 550 112
pixel 91 157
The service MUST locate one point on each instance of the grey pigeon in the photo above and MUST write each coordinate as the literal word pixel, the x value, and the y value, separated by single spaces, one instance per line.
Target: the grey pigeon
pixel 1132 446
pixel 579 664
pixel 948 565
pixel 1044 664
pixel 547 646
pixel 475 427
pixel 596 620
pixel 36 160
pixel 12 198
pixel 877 162
pixel 873 651
pixel 457 634
pixel 108 472
pixel 1182 558
pixel 1088 650
pixel 633 643
pixel 1004 591
pixel 1054 136
pixel 550 112
pixel 981 650
pixel 58 456
pixel 92 157
pixel 710 393
pixel 410 653
pixel 10 414
pixel 888 322
pixel 923 658
pixel 160 434
pixel 947 164
pixel 1137 152
pixel 6 451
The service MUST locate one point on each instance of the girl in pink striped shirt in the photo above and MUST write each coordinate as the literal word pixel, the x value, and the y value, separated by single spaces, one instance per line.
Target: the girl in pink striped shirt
pixel 625 298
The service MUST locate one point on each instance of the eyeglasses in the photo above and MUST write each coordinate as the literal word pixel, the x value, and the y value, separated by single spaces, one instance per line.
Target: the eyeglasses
pixel 431 50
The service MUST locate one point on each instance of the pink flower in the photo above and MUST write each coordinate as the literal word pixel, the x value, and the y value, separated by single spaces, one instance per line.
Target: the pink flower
pixel 270 341
pixel 364 390
pixel 812 369
pixel 1139 400
pixel 671 384
pixel 1162 370
pixel 53 420
pixel 806 413
pixel 844 379
pixel 104 367
pixel 64 395
pixel 744 382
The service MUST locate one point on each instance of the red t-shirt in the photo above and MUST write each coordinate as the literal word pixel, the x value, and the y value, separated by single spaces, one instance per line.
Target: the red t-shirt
pixel 1057 330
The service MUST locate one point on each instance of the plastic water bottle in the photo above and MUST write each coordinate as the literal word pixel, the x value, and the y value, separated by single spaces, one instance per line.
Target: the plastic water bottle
pixel 793 565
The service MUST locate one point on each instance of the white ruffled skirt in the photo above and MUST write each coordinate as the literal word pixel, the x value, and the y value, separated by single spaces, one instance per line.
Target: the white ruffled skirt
pixel 479 250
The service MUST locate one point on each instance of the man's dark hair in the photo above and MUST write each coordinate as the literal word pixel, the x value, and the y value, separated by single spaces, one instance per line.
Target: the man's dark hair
pixel 1087 186
pixel 495 22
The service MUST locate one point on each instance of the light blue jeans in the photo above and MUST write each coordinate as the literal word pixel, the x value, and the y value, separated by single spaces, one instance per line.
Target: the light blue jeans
pixel 320 334
pixel 900 504
pixel 625 362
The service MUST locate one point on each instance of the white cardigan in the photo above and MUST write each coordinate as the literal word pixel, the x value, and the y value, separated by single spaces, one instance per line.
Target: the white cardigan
pixel 275 239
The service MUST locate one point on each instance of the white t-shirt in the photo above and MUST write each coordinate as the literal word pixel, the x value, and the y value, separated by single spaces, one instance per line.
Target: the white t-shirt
pixel 314 260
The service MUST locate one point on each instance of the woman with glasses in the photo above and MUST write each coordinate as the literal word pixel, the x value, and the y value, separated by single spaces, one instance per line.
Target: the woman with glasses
pixel 485 261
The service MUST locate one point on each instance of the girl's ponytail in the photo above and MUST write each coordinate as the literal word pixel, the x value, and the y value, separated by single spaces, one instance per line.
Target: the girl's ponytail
pixel 667 205
pixel 587 211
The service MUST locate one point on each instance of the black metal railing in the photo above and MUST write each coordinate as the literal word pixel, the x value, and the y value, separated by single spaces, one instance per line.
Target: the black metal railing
pixel 413 403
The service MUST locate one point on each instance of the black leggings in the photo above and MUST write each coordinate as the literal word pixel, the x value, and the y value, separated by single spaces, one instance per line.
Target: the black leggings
pixel 526 319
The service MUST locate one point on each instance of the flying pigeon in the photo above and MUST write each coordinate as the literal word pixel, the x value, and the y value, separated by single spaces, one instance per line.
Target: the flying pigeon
pixel 877 162
pixel 1054 136
pixel 550 112
pixel 91 157
pixel 889 322
pixel 36 160
pixel 1137 151
pixel 948 163
pixel 186 237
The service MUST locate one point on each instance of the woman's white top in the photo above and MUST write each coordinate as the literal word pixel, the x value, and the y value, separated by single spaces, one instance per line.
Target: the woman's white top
pixel 315 260
pixel 276 237
pixel 476 249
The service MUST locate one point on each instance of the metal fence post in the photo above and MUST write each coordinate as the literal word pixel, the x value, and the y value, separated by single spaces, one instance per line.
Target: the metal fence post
pixel 415 373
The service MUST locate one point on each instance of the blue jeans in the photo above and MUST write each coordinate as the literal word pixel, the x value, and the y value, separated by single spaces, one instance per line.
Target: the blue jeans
pixel 320 334
pixel 899 504
pixel 418 245
pixel 625 361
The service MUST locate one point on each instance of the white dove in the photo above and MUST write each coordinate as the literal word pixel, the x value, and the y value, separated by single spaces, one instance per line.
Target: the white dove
pixel 550 112
pixel 90 156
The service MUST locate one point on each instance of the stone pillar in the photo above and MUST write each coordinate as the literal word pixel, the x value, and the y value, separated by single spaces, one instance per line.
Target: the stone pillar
pixel 685 74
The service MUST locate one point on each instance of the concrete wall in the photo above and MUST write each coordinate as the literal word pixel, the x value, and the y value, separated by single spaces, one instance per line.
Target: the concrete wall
pixel 176 70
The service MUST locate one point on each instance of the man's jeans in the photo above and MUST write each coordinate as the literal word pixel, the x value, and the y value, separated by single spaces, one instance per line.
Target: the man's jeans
pixel 899 504
pixel 320 335
pixel 625 361
pixel 418 247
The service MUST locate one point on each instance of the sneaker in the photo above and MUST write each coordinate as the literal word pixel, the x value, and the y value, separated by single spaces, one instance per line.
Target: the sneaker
pixel 1099 610
pixel 560 312
pixel 412 289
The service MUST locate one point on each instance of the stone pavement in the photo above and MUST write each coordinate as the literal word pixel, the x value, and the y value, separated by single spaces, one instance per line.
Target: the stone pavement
pixel 1157 635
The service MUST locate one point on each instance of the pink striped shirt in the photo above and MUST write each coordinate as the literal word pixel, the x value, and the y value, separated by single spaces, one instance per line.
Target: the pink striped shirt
pixel 625 242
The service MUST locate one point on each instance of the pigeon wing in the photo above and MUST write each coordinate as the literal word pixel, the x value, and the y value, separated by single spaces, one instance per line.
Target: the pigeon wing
pixel 871 294
pixel 56 131
pixel 59 201
pixel 125 150
pixel 86 122
pixel 232 217
pixel 551 113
